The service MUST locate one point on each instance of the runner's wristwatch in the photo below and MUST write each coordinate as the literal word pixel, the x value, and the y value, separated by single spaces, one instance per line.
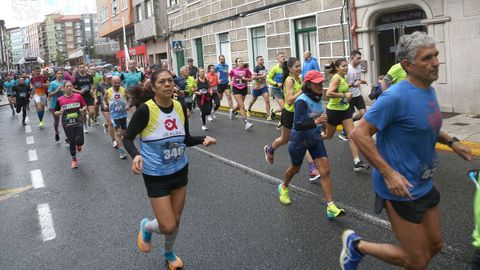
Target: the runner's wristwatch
pixel 452 140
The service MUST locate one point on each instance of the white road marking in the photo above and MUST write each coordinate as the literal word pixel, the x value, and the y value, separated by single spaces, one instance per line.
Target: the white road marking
pixel 30 140
pixel 46 222
pixel 37 179
pixel 32 155
pixel 350 210
pixel 273 122
pixel 28 129
pixel 26 119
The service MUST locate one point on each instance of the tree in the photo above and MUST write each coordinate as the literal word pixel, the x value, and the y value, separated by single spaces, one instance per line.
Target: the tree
pixel 59 59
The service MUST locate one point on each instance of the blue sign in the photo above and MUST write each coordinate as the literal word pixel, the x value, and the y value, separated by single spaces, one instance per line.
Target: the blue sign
pixel 177 45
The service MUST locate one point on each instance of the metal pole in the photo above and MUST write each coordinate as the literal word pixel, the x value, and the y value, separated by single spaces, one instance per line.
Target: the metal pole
pixel 124 41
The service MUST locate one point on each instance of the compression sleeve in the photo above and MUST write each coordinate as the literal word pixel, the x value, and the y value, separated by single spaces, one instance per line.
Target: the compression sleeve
pixel 270 76
pixel 301 119
pixel 138 122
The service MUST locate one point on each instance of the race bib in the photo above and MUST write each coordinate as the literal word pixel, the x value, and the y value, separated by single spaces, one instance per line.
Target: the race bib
pixel 38 85
pixel 172 152
pixel 85 88
pixel 23 94
pixel 72 119
pixel 214 89
pixel 118 107
pixel 239 81
pixel 203 91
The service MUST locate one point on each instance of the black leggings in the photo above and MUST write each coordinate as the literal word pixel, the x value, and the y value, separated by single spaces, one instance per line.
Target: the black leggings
pixel 75 137
pixel 22 106
pixel 216 99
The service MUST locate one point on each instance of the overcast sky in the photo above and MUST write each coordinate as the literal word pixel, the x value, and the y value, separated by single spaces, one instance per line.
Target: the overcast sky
pixel 24 12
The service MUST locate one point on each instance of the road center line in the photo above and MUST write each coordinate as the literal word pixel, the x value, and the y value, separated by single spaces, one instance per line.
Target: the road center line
pixel 37 179
pixel 28 129
pixel 30 140
pixel 46 222
pixel 32 155
pixel 350 210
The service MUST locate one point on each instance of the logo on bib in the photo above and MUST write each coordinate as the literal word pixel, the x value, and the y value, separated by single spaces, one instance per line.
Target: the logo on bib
pixel 171 124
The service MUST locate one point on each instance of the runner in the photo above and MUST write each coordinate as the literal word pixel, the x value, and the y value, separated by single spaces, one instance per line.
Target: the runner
pixel 260 87
pixel 39 84
pixel 307 126
pixel 354 81
pixel 117 100
pixel 338 109
pixel 222 70
pixel 22 97
pixel 214 82
pixel 102 87
pixel 474 175
pixel 69 107
pixel 239 78
pixel 292 85
pixel 83 85
pixel 8 86
pixel 275 79
pixel 164 133
pixel 204 97
pixel 408 121
pixel 55 91
pixel 131 79
pixel 97 77
pixel 394 75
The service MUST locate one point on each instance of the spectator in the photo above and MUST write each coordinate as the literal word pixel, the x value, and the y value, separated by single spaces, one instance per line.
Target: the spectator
pixel 310 63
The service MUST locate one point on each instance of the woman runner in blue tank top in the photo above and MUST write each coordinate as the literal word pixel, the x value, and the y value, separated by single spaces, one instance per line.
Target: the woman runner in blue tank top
pixel 162 124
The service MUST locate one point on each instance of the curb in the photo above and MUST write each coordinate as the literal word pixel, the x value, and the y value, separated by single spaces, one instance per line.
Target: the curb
pixel 474 145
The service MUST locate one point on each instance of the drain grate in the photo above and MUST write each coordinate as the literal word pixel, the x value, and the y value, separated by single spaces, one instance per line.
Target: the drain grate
pixel 460 124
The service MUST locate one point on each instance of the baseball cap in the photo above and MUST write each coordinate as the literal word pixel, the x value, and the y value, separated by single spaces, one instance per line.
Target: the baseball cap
pixel 190 60
pixel 314 76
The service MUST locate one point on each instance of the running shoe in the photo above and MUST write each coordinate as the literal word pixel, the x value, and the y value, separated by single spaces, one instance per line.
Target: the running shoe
pixel 343 136
pixel 85 129
pixel 350 257
pixel 41 124
pixel 79 148
pixel 268 151
pixel 105 128
pixel 144 239
pixel 23 123
pixel 248 125
pixel 173 262
pixel 314 175
pixel 74 164
pixel 231 115
pixel 214 116
pixel 333 211
pixel 279 126
pixel 209 118
pixel 89 121
pixel 204 128
pixel 361 167
pixel 283 194
pixel 123 155
pixel 272 113
pixel 249 114
pixel 57 137
pixel 474 175
pixel 95 122
pixel 67 141
pixel 269 117
pixel 114 144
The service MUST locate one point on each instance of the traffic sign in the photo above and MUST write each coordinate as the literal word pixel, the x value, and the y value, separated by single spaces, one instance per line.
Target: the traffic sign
pixel 177 45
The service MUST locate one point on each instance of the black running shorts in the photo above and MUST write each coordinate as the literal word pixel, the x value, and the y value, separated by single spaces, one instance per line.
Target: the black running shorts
pixel 411 211
pixel 336 118
pixel 161 186
pixel 287 119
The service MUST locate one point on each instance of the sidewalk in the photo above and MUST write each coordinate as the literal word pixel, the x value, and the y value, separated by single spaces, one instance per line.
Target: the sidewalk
pixel 3 100
pixel 465 127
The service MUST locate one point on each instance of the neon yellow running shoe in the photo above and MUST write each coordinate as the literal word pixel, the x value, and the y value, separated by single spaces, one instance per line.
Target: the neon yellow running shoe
pixel 283 194
pixel 41 124
pixel 333 211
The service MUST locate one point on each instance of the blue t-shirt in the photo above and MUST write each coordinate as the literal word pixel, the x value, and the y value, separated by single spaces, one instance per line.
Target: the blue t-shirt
pixel 52 87
pixel 408 120
pixel 306 110
pixel 8 85
pixel 222 71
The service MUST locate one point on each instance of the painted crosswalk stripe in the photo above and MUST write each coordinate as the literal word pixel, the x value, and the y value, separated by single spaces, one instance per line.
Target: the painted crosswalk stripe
pixel 30 140
pixel 28 129
pixel 32 155
pixel 46 222
pixel 37 179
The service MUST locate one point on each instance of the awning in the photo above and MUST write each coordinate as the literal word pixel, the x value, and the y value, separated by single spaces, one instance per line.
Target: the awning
pixel 75 54
pixel 31 60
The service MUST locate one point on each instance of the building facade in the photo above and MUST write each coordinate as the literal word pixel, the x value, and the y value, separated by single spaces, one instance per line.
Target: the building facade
pixel 4 63
pixel 151 28
pixel 455 27
pixel 33 40
pixel 112 16
pixel 19 43
pixel 50 38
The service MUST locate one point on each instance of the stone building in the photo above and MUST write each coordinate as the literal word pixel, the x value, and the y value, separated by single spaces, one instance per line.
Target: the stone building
pixel 455 24
pixel 248 28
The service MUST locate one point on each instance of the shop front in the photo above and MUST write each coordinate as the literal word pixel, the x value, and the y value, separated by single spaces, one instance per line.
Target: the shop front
pixel 138 53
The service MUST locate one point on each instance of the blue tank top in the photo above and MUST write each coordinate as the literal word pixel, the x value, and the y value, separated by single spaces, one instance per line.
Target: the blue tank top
pixel 117 102
pixel 315 109
pixel 162 141
pixel 132 79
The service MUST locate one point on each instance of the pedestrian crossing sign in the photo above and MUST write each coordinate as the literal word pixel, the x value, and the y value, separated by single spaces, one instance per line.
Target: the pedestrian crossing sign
pixel 177 45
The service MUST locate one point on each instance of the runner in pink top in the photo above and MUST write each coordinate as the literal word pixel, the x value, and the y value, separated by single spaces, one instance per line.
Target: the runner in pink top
pixel 239 79
pixel 71 106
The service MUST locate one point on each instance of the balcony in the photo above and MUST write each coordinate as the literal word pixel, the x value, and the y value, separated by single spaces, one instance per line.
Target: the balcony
pixel 145 29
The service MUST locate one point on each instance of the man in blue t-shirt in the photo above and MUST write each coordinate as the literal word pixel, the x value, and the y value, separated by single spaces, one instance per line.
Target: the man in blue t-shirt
pixel 222 70
pixel 407 121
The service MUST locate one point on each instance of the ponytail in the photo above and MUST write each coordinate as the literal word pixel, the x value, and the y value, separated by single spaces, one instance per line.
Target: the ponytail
pixel 334 65
pixel 286 67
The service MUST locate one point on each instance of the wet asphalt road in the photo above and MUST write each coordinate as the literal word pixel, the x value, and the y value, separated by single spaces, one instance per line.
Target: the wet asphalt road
pixel 232 218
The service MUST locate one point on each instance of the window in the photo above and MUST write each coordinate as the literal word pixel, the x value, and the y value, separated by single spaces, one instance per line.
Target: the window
pixel 199 51
pixel 103 14
pixel 305 36
pixel 124 4
pixel 114 7
pixel 69 32
pixel 224 47
pixel 68 24
pixel 86 20
pixel 71 46
pixel 172 3
pixel 88 28
pixel 149 4
pixel 259 44
pixel 138 10
pixel 69 38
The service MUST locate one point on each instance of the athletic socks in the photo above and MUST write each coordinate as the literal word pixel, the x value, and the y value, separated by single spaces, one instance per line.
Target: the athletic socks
pixel 170 241
pixel 152 226
pixel 40 115
pixel 311 166
pixel 356 160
